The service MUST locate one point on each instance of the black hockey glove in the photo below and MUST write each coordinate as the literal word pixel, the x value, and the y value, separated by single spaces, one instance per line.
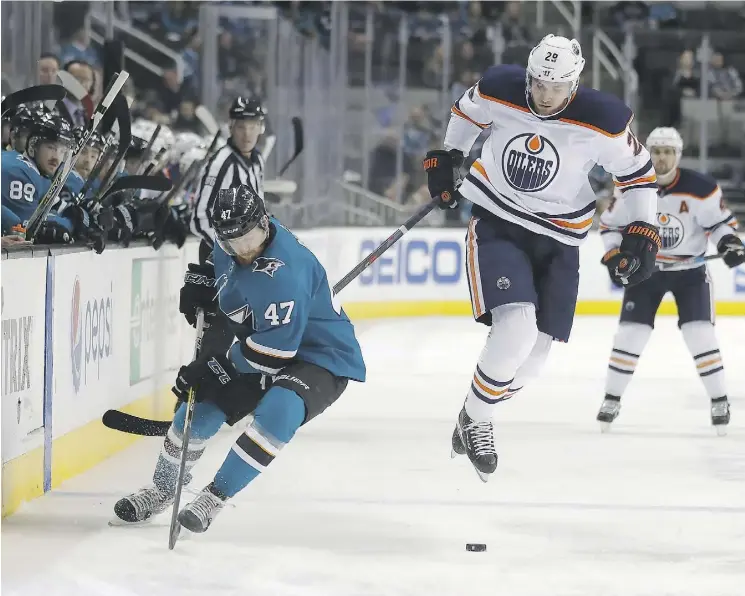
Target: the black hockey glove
pixel 86 230
pixel 124 225
pixel 634 261
pixel 732 249
pixel 443 176
pixel 51 232
pixel 208 375
pixel 199 291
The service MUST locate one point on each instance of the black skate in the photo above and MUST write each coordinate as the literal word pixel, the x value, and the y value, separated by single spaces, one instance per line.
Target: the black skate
pixel 198 515
pixel 475 439
pixel 608 411
pixel 720 415
pixel 140 506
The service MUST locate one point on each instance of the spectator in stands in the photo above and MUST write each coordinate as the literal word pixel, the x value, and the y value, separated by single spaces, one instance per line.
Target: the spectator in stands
pixel 687 78
pixel 70 108
pixel 192 78
pixel 47 68
pixel 514 30
pixel 79 49
pixel 175 22
pixel 724 81
pixel 630 15
pixel 170 93
pixel 384 165
pixel 186 120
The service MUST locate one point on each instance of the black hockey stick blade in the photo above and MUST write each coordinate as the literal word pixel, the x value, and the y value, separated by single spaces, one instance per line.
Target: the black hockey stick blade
pixel 134 425
pixel 32 94
pixel 297 130
pixel 137 182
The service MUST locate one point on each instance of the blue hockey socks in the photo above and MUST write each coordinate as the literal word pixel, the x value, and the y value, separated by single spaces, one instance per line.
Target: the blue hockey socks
pixel 277 417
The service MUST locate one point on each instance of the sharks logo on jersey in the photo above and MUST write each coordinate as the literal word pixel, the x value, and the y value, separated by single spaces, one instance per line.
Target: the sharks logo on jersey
pixel 267 265
pixel 530 162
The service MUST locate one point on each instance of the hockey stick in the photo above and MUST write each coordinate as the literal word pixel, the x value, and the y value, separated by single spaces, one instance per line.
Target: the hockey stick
pixel 30 95
pixel 121 421
pixel 123 118
pixel 45 204
pixel 175 525
pixel 74 88
pixel 297 130
pixel 147 154
pixel 158 183
pixel 691 261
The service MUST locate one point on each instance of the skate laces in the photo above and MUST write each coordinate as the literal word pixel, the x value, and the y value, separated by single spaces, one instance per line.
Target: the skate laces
pixel 481 436
pixel 205 504
pixel 719 408
pixel 147 499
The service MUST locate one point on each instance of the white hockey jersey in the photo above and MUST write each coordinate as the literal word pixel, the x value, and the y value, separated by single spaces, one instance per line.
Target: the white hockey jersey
pixel 689 210
pixel 533 171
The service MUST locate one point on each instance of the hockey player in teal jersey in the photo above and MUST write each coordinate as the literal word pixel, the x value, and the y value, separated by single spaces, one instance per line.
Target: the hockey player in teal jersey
pixel 26 177
pixel 295 352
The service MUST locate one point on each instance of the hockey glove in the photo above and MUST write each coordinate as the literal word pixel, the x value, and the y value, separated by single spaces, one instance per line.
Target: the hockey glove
pixel 443 176
pixel 52 232
pixel 634 260
pixel 124 225
pixel 86 230
pixel 208 375
pixel 732 249
pixel 199 291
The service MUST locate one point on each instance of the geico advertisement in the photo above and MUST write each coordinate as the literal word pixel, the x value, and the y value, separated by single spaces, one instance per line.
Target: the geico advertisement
pixel 426 265
pixel 430 265
pixel 22 303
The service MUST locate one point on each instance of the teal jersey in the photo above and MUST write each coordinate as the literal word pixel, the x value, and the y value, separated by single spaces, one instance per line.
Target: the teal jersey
pixel 282 310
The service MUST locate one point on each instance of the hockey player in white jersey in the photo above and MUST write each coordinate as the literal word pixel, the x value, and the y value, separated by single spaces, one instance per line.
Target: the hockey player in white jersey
pixel 533 206
pixel 690 211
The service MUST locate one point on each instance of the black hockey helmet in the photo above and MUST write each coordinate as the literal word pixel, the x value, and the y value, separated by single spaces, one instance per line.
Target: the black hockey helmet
pixel 244 108
pixel 240 220
pixel 137 147
pixel 23 119
pixel 50 127
pixel 96 140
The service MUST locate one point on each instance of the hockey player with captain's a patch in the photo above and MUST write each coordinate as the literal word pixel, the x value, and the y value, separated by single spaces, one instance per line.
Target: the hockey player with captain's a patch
pixel 691 213
pixel 295 352
pixel 533 207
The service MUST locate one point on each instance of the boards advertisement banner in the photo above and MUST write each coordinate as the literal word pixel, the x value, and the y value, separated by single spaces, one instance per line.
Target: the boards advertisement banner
pixel 23 304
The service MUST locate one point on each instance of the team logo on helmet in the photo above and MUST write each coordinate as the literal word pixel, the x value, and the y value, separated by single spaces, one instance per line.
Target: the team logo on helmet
pixel 267 265
pixel 530 162
pixel 671 230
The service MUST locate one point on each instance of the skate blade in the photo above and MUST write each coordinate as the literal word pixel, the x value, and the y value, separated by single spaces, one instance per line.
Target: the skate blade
pixel 483 476
pixel 115 522
pixel 604 427
pixel 721 430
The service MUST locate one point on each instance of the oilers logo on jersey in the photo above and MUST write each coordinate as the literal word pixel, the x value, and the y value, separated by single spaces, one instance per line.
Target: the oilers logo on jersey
pixel 267 265
pixel 672 231
pixel 530 162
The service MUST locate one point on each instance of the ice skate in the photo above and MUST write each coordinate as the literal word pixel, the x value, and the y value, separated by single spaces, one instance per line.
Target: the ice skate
pixel 476 439
pixel 457 447
pixel 720 415
pixel 140 506
pixel 198 515
pixel 608 412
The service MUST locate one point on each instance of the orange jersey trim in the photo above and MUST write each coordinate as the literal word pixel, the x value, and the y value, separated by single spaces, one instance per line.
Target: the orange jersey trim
pixel 480 169
pixel 503 102
pixel 485 389
pixel 457 112
pixel 646 179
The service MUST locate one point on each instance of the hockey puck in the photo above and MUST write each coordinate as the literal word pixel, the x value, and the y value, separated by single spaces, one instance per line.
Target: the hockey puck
pixel 476 548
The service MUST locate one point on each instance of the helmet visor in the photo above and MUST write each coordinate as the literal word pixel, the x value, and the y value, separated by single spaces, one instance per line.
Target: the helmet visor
pixel 245 244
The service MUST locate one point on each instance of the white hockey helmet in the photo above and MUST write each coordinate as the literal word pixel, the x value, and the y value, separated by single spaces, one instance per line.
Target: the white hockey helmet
pixel 555 59
pixel 665 136
pixel 184 141
pixel 189 157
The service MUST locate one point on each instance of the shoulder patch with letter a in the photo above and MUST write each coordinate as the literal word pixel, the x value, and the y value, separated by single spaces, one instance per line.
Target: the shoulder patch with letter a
pixel 267 265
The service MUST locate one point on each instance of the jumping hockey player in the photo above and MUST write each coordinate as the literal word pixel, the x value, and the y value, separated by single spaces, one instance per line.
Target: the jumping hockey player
pixel 292 336
pixel 690 210
pixel 533 206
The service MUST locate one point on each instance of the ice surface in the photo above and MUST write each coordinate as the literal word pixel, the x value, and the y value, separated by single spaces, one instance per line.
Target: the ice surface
pixel 366 500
